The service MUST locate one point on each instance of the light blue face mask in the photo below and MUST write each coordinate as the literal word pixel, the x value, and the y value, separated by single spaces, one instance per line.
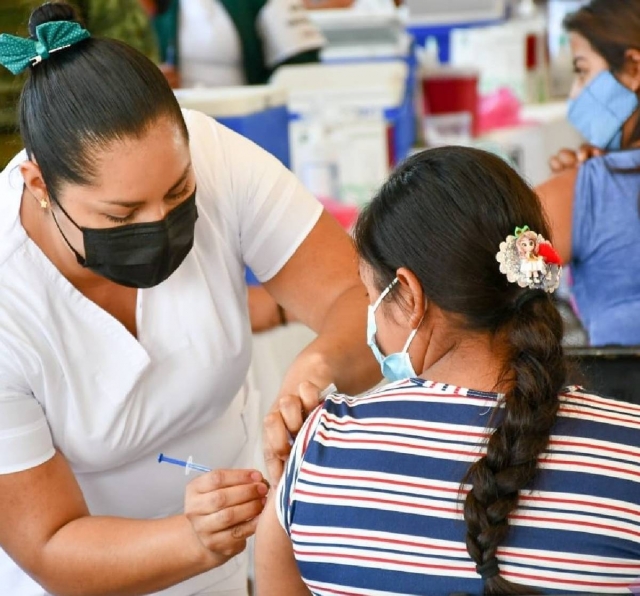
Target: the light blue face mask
pixel 395 367
pixel 601 109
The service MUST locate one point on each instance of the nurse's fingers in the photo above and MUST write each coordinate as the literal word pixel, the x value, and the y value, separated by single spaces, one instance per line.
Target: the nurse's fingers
pixel 292 411
pixel 217 500
pixel 217 479
pixel 233 541
pixel 208 525
pixel 311 396
pixel 276 436
pixel 229 541
pixel 276 445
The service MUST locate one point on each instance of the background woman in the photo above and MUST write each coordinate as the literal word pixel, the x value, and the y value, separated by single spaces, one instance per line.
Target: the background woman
pixel 218 43
pixel 594 211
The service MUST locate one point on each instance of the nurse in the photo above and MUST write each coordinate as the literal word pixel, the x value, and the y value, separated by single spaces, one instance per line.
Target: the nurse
pixel 125 229
pixel 594 210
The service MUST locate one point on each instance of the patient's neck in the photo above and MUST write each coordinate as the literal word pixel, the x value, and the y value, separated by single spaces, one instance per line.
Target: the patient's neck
pixel 465 359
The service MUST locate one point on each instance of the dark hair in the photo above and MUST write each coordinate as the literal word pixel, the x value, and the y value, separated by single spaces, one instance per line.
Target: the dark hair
pixel 611 27
pixel 85 97
pixel 443 214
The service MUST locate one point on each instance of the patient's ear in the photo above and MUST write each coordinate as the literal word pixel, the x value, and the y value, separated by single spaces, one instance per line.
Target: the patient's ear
pixel 412 296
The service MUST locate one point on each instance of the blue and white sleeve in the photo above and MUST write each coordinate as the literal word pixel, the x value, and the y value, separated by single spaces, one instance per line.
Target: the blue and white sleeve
pixel 285 496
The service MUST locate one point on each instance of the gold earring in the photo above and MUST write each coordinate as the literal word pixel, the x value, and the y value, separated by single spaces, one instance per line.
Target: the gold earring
pixel 44 203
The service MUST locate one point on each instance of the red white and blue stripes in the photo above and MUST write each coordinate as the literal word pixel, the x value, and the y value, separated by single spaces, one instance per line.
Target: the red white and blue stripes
pixel 372 497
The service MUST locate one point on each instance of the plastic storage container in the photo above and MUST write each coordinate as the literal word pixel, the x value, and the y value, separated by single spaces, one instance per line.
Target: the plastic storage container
pixel 366 36
pixel 437 18
pixel 357 35
pixel 259 113
pixel 450 101
pixel 367 86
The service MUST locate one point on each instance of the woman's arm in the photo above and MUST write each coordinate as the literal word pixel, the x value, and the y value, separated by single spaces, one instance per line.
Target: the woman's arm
pixel 276 570
pixel 265 313
pixel 556 196
pixel 320 285
pixel 46 528
pixel 304 259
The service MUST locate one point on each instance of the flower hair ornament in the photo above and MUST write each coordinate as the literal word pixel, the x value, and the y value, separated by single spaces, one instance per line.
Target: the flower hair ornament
pixel 18 53
pixel 529 260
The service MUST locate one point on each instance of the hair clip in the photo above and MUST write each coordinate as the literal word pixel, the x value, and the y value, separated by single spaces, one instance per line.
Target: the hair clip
pixel 17 53
pixel 529 260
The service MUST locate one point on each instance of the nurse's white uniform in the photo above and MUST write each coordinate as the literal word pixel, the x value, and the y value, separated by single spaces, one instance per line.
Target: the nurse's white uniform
pixel 73 378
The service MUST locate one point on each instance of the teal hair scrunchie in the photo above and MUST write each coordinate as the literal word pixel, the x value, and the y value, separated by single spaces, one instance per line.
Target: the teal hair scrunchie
pixel 18 53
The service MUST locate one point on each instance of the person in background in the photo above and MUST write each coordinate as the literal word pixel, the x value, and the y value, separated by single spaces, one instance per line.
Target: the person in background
pixel 594 209
pixel 473 470
pixel 124 330
pixel 221 43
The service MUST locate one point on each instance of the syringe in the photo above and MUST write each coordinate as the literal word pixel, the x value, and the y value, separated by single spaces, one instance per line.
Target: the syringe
pixel 187 465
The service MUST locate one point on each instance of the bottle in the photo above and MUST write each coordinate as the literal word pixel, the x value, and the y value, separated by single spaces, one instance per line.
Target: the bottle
pixel 562 69
pixel 429 56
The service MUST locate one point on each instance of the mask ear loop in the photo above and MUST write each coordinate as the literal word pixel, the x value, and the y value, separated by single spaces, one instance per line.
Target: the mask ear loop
pixel 413 334
pixel 78 256
pixel 382 296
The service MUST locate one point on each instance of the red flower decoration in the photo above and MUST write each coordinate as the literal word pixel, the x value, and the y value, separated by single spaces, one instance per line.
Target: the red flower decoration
pixel 549 254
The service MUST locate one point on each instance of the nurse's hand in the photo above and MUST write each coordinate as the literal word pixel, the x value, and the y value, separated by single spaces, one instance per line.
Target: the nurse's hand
pixel 223 507
pixel 567 159
pixel 282 425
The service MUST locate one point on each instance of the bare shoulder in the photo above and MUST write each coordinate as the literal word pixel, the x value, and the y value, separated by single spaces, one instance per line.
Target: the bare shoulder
pixel 559 187
pixel 556 196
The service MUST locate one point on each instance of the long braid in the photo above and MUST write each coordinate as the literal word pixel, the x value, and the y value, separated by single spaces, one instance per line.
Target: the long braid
pixel 443 214
pixel 538 371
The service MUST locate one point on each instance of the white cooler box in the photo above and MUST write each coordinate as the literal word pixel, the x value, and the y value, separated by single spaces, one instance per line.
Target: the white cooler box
pixel 259 113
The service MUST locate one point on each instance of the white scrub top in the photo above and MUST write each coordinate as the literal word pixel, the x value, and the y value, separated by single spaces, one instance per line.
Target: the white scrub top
pixel 209 44
pixel 74 379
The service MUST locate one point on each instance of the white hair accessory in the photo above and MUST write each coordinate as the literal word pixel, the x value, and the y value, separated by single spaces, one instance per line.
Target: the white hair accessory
pixel 529 260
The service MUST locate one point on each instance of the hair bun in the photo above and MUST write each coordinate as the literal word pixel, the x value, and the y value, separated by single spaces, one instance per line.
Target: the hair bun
pixel 50 12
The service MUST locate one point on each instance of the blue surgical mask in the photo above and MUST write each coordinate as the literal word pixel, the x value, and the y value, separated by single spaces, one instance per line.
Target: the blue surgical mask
pixel 395 367
pixel 601 110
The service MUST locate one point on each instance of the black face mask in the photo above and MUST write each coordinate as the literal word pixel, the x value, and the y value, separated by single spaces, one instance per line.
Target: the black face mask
pixel 139 255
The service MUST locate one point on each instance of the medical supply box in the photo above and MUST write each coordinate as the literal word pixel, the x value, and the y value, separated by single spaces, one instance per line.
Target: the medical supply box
pixel 259 113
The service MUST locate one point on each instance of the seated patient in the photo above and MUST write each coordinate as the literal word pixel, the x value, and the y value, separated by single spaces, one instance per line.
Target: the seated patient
pixel 474 470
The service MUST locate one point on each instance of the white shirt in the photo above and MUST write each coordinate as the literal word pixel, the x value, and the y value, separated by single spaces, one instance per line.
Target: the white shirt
pixel 72 377
pixel 210 48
